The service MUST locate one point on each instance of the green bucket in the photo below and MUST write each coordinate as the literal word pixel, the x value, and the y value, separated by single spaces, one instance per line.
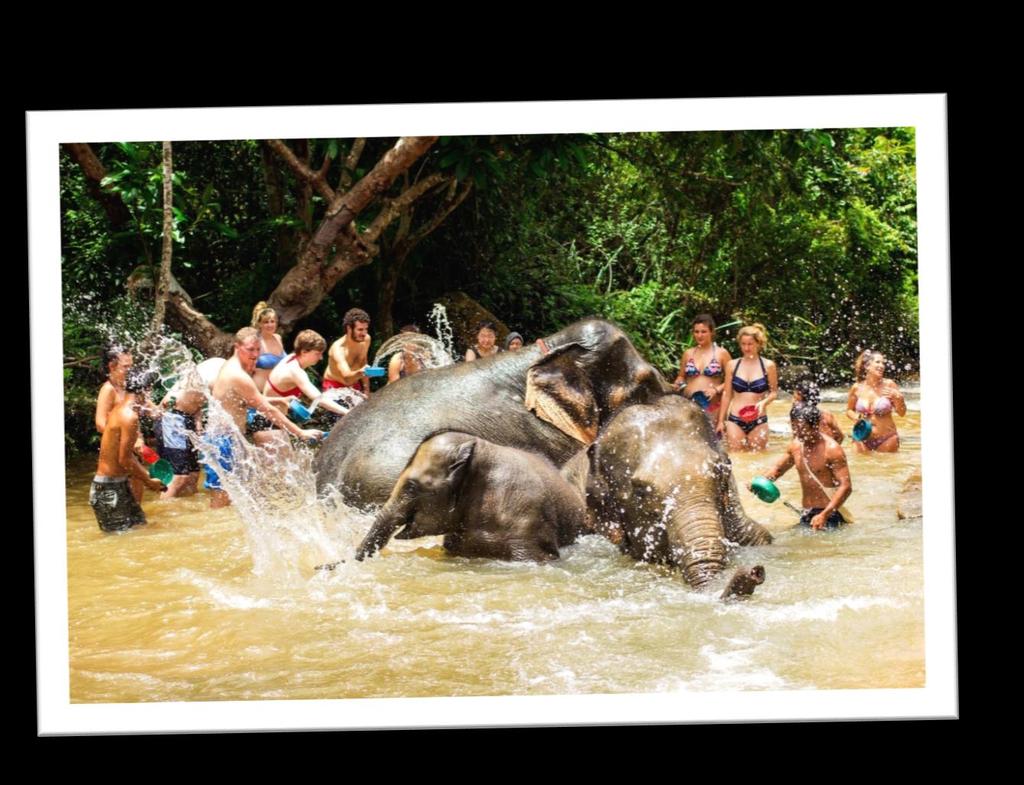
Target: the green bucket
pixel 162 470
pixel 764 489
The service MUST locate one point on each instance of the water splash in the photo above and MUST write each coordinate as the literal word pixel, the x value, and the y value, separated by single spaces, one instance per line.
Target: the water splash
pixel 442 328
pixel 428 352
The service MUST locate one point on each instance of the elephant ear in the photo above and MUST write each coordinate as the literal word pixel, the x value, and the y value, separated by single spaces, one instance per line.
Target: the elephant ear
pixel 559 392
pixel 461 457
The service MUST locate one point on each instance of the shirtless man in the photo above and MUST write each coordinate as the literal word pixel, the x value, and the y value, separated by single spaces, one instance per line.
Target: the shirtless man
pixel 118 362
pixel 236 392
pixel 821 464
pixel 806 391
pixel 347 357
pixel 111 496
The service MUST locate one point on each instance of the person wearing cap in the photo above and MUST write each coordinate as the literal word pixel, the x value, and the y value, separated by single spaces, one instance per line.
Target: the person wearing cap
pixel 821 464
pixel 513 342
pixel 111 495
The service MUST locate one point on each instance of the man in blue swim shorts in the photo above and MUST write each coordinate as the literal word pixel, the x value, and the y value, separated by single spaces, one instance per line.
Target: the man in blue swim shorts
pixel 235 391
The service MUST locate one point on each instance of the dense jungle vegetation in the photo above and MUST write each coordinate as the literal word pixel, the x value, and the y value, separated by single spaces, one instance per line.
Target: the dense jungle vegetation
pixel 812 233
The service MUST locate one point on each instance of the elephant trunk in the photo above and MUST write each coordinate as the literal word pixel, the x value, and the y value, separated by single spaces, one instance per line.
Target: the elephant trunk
pixel 697 543
pixel 384 526
pixel 739 527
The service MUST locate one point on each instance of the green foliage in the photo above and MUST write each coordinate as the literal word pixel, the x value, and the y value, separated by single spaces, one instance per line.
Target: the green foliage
pixel 812 233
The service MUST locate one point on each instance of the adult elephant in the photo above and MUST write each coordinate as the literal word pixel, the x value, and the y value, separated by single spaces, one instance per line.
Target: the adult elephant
pixel 658 484
pixel 551 398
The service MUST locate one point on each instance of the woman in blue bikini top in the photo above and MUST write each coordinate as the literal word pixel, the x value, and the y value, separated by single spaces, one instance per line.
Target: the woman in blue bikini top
pixel 264 319
pixel 702 367
pixel 743 417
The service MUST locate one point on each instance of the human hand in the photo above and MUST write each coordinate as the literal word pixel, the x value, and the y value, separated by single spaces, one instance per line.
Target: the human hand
pixel 312 435
pixel 818 521
pixel 154 484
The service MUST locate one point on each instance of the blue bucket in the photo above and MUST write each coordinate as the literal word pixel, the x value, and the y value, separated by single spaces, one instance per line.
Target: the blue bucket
pixel 861 430
pixel 298 412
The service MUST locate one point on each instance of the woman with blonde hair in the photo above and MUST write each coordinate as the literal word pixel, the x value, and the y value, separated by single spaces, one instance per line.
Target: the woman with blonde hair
pixel 264 319
pixel 751 384
pixel 875 398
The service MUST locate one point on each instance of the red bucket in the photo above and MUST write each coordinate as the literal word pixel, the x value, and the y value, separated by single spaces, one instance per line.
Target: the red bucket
pixel 747 413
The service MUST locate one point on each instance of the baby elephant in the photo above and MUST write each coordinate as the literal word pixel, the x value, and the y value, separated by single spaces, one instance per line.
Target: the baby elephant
pixel 487 500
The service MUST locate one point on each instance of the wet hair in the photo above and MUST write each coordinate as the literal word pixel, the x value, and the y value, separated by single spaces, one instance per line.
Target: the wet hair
pixel 511 337
pixel 860 368
pixel 140 381
pixel 409 328
pixel 809 390
pixel 309 341
pixel 805 412
pixel 755 331
pixel 261 313
pixel 353 315
pixel 705 319
pixel 246 334
pixel 112 353
pixel 487 325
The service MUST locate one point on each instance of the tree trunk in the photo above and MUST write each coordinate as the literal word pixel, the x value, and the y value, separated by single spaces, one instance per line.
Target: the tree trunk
pixel 305 285
pixel 275 200
pixel 163 283
pixel 391 272
pixel 94 172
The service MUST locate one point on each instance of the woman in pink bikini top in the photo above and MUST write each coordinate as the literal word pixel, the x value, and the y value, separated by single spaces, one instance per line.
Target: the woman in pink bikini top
pixel 875 398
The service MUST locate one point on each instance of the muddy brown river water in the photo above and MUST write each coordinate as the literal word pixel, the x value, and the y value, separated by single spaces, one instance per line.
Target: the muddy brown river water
pixel 219 605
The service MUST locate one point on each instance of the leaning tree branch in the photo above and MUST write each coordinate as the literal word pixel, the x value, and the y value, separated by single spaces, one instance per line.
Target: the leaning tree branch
pixel 439 217
pixel 345 180
pixel 94 171
pixel 302 171
pixel 394 207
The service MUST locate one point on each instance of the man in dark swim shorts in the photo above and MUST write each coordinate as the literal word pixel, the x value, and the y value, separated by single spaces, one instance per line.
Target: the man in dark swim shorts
pixel 821 464
pixel 111 495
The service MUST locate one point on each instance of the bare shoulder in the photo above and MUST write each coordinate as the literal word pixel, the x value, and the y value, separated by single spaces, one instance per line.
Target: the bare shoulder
pixel 834 451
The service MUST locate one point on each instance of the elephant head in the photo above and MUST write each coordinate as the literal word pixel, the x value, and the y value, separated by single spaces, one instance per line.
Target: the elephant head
pixel 589 371
pixel 659 487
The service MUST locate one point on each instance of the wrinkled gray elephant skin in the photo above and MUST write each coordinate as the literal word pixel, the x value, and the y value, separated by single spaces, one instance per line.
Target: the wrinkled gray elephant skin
pixel 487 500
pixel 658 485
pixel 551 400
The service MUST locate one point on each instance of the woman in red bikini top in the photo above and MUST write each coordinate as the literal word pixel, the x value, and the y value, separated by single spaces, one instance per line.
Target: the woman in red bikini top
pixel 288 379
pixel 876 398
